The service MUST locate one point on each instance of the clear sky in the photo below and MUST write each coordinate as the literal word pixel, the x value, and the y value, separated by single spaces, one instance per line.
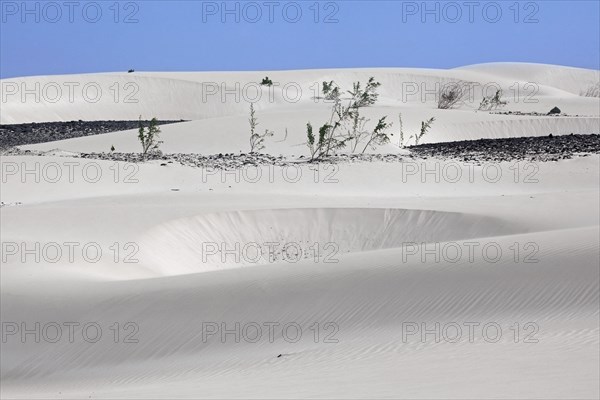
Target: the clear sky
pixel 63 36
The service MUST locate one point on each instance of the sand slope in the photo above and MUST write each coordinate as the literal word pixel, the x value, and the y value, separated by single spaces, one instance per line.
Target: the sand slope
pixel 403 260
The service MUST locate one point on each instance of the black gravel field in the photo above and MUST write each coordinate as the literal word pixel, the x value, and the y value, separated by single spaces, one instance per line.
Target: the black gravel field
pixel 21 134
pixel 537 148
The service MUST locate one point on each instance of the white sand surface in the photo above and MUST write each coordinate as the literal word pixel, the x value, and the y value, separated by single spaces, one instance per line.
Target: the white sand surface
pixel 387 256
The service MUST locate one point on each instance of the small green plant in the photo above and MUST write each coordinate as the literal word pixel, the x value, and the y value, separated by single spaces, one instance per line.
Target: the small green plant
pixel 401 138
pixel 149 138
pixel 257 140
pixel 315 148
pixel 489 103
pixel 358 131
pixel 253 120
pixel 453 93
pixel 266 82
pixel 425 125
pixel 378 136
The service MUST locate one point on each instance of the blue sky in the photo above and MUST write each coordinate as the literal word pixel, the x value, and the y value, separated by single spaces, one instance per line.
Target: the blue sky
pixel 60 37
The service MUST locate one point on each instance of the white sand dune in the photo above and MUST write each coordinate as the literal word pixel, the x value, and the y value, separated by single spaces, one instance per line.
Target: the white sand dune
pixel 512 262
pixel 570 79
pixel 220 102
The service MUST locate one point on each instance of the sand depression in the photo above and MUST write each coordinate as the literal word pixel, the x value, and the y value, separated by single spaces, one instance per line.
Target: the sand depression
pixel 232 239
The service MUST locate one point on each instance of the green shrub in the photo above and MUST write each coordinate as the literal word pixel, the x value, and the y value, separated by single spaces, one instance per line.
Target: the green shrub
pixel 149 138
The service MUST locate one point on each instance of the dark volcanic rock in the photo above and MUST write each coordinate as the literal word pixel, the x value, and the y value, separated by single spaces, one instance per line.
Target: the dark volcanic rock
pixel 555 110
pixel 41 132
pixel 542 148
